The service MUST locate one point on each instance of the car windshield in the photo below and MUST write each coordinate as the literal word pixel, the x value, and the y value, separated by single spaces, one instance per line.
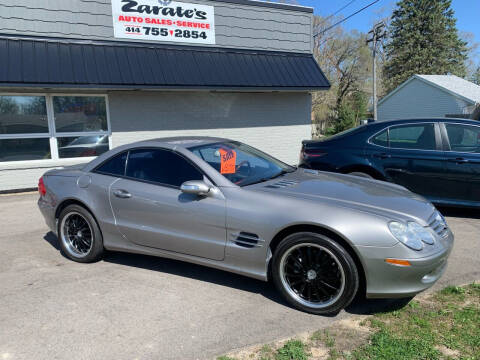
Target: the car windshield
pixel 240 163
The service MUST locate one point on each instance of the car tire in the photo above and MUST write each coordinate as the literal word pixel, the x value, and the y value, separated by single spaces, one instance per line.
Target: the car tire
pixel 361 174
pixel 324 269
pixel 79 236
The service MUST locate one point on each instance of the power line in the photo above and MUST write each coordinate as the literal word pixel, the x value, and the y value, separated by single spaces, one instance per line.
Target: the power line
pixel 336 12
pixel 345 19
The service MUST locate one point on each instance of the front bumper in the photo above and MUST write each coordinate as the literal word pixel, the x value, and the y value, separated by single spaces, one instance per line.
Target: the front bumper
pixel 386 280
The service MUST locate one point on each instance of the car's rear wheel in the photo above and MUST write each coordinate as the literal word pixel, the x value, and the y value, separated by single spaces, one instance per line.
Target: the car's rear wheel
pixel 314 273
pixel 79 235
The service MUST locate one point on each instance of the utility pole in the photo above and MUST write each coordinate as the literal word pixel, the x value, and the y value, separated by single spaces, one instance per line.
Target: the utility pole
pixel 377 33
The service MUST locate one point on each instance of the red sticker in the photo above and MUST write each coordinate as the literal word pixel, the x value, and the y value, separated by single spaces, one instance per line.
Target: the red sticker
pixel 228 159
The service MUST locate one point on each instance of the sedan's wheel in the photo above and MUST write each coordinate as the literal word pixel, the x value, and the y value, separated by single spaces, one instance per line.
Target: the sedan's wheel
pixel 314 273
pixel 79 235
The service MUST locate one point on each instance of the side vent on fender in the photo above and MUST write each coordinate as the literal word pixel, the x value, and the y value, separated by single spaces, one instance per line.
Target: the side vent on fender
pixel 247 240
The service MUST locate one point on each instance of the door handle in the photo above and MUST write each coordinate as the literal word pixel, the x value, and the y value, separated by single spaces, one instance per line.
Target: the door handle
pixel 122 194
pixel 459 160
pixel 382 155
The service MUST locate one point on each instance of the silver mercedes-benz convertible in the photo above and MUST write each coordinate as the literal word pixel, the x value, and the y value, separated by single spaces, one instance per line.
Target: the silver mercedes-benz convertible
pixel 321 237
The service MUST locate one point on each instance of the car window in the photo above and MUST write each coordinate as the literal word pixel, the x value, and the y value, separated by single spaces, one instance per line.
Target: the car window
pixel 381 139
pixel 114 166
pixel 463 138
pixel 419 137
pixel 240 163
pixel 161 166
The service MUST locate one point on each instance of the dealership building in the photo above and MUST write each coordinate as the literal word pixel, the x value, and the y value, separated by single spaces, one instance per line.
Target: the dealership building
pixel 79 77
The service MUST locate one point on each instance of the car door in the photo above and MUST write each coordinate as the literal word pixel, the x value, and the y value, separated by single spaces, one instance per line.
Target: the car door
pixel 410 155
pixel 462 153
pixel 150 210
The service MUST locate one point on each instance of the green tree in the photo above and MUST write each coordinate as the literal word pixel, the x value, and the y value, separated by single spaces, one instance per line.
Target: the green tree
pixel 345 59
pixel 476 76
pixel 423 40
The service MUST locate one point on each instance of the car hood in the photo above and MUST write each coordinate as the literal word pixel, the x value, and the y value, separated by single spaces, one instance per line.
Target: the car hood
pixel 382 198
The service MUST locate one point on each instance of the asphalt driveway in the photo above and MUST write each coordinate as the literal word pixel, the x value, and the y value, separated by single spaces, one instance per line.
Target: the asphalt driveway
pixel 141 307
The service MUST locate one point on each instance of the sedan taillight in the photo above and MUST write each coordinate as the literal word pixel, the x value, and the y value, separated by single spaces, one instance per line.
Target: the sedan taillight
pixel 312 153
pixel 41 187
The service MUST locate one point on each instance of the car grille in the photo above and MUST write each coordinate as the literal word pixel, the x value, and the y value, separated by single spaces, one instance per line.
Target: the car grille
pixel 438 224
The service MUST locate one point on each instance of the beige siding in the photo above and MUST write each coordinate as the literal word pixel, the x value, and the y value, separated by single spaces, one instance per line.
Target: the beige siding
pixel 273 122
pixel 419 99
pixel 238 26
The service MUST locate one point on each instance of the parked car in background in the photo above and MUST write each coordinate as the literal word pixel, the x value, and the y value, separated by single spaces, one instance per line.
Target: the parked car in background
pixel 224 204
pixel 436 158
pixel 92 145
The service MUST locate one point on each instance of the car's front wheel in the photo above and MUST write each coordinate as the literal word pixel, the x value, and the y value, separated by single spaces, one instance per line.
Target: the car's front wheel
pixel 79 235
pixel 314 273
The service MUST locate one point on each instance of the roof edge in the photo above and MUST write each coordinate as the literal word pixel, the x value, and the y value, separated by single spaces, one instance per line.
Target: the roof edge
pixel 150 44
pixel 431 83
pixel 115 87
pixel 300 8
pixel 418 76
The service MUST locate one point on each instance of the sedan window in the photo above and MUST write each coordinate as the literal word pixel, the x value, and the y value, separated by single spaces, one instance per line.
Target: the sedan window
pixel 463 138
pixel 418 137
pixel 161 166
pixel 381 139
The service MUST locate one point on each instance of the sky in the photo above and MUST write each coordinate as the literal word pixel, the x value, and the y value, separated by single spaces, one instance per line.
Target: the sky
pixel 466 11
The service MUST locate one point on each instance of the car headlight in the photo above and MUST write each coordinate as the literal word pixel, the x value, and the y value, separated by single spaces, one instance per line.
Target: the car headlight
pixel 411 234
pixel 439 218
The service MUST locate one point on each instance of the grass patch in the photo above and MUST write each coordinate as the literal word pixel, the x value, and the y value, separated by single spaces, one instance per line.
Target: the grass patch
pixel 444 325
pixel 293 349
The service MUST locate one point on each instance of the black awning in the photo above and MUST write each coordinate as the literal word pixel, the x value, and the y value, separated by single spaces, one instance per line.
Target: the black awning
pixel 26 62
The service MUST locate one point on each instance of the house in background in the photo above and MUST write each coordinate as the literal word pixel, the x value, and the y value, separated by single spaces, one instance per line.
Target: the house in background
pixel 431 96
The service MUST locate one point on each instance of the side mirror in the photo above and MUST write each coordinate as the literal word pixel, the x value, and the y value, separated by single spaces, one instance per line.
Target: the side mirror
pixel 197 187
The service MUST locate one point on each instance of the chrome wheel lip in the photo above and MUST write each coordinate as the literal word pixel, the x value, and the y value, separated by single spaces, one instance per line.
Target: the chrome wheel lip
pixel 72 250
pixel 294 295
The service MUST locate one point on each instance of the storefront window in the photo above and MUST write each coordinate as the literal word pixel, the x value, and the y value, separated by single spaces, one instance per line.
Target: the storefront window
pixel 23 115
pixel 77 127
pixel 80 113
pixel 24 149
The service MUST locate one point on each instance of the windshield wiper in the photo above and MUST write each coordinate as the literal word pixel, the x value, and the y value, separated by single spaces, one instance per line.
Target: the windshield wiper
pixel 266 178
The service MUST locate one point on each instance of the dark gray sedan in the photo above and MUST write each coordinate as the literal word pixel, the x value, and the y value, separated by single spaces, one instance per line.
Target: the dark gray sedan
pixel 321 237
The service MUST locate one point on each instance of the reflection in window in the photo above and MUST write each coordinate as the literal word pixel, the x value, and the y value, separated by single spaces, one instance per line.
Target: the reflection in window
pixel 381 139
pixel 27 130
pixel 80 113
pixel 115 166
pixel 420 137
pixel 23 115
pixel 24 149
pixel 82 146
pixel 463 138
pixel 160 166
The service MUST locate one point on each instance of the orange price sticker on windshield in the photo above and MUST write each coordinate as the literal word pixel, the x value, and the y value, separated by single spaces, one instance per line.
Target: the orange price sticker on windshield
pixel 228 159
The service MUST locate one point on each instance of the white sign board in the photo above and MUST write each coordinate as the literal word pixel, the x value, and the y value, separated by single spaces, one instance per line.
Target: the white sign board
pixel 157 21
